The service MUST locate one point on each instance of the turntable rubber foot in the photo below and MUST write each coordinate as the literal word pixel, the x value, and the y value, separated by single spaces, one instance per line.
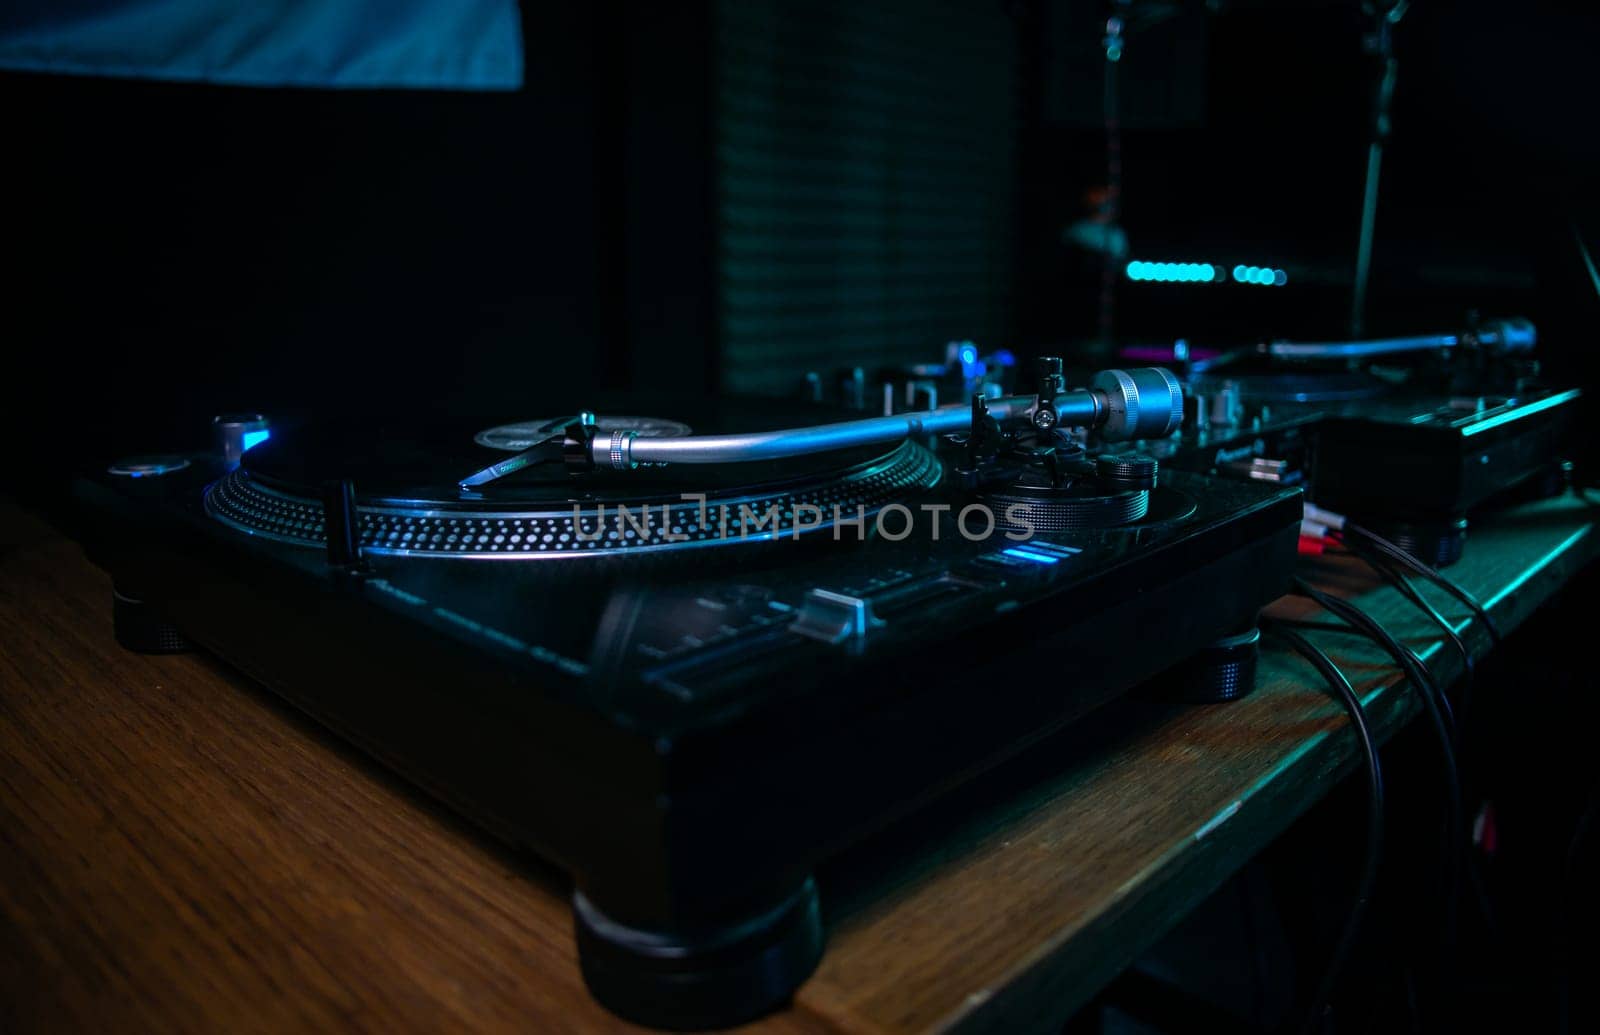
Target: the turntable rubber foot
pixel 1221 671
pixel 140 628
pixel 711 979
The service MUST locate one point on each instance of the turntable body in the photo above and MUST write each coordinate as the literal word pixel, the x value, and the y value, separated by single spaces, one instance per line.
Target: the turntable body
pixel 688 719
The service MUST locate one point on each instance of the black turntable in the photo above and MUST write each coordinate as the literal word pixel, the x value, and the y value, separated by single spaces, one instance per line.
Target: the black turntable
pixel 1445 425
pixel 688 656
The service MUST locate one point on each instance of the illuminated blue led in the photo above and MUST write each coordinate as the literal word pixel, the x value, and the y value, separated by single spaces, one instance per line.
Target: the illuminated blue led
pixel 1279 278
pixel 969 355
pixel 1029 555
pixel 251 439
pixel 1175 272
pixel 1239 273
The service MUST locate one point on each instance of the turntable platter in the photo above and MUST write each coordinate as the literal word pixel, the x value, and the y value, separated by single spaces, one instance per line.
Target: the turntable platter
pixel 409 500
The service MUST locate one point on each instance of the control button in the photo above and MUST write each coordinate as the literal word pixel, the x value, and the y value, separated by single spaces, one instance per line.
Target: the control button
pixel 834 617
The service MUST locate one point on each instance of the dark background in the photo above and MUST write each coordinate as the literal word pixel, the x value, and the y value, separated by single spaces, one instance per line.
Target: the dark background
pixel 722 196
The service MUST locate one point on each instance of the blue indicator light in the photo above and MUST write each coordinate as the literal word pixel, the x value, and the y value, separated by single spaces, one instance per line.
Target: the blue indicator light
pixel 1279 278
pixel 1176 272
pixel 969 354
pixel 1042 546
pixel 1029 555
pixel 251 439
pixel 1238 273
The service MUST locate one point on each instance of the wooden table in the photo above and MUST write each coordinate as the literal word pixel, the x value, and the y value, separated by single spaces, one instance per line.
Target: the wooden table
pixel 179 850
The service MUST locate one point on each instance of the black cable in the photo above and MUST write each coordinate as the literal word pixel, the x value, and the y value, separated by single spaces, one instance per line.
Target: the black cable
pixel 1480 890
pixel 1432 575
pixel 1457 716
pixel 1406 658
pixel 1346 695
pixel 1409 661
pixel 1409 591
pixel 1417 673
